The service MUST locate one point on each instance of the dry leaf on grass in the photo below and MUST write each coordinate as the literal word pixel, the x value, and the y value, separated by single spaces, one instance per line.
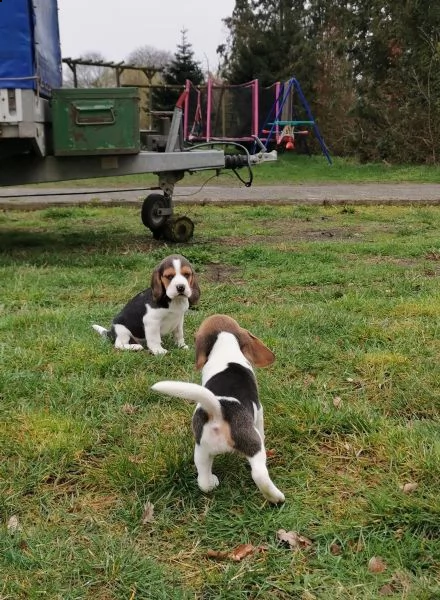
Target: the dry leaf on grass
pixel 237 554
pixel 401 581
pixel 13 525
pixel 387 590
pixel 376 564
pixel 337 401
pixel 218 554
pixel 407 488
pixel 242 551
pixel 335 549
pixel 129 409
pixel 306 595
pixel 294 539
pixel 148 514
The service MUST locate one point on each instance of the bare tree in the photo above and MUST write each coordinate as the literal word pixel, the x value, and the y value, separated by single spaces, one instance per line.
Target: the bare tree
pixel 148 56
pixel 90 76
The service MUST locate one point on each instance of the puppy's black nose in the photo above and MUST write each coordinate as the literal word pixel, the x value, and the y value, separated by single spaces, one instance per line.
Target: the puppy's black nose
pixel 180 288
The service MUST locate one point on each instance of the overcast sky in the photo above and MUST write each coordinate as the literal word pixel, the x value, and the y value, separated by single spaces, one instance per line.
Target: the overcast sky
pixel 116 27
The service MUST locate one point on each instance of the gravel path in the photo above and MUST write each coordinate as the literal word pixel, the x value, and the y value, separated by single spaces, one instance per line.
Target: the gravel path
pixel 20 198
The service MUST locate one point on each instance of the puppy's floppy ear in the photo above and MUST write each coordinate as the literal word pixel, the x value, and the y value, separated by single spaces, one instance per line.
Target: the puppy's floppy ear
pixel 202 350
pixel 156 283
pixel 255 351
pixel 195 295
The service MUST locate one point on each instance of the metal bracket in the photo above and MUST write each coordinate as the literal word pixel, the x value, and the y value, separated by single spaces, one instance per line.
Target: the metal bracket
pixel 168 180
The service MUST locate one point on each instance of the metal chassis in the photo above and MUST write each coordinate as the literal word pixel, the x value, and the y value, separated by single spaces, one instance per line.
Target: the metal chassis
pixel 170 166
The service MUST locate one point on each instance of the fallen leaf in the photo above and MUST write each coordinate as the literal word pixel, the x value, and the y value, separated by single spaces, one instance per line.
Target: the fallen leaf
pixel 335 549
pixel 308 379
pixel 217 554
pixel 242 551
pixel 129 409
pixel 400 581
pixel 237 554
pixel 13 525
pixel 270 453
pixel 407 488
pixel 294 539
pixel 337 401
pixel 376 565
pixel 387 590
pixel 148 514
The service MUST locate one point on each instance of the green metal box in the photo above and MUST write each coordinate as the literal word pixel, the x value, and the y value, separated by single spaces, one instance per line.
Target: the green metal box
pixel 95 121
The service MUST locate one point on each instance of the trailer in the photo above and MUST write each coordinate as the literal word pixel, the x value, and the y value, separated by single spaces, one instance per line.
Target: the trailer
pixel 50 133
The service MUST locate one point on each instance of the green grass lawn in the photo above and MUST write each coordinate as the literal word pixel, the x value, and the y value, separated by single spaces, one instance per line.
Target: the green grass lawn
pixel 288 169
pixel 349 301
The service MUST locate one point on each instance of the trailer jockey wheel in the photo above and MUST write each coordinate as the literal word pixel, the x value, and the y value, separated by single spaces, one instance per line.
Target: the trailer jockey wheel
pixel 150 214
pixel 178 229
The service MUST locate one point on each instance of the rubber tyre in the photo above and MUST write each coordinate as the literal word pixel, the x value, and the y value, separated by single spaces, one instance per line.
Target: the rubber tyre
pixel 149 215
pixel 178 229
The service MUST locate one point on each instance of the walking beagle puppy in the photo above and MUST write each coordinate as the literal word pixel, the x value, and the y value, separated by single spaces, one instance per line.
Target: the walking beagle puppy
pixel 158 310
pixel 228 416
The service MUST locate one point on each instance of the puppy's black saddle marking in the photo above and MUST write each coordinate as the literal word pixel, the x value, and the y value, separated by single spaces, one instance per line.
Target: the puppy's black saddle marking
pixel 237 382
pixel 132 313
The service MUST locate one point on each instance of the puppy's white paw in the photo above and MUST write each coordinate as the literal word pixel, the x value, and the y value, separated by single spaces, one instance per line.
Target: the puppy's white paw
pixel 207 484
pixel 275 496
pixel 134 347
pixel 183 346
pixel 158 351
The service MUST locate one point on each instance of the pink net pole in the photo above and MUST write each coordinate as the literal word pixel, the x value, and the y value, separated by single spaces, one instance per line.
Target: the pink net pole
pixel 208 110
pixel 255 109
pixel 186 110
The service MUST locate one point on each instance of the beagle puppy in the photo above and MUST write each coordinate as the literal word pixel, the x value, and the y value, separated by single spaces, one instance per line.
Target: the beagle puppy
pixel 158 310
pixel 228 416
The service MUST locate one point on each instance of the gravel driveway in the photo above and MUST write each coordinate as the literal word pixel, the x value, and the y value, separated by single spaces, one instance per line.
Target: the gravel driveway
pixel 30 198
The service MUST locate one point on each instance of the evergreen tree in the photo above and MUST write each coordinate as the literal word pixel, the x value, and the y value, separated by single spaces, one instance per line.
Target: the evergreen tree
pixel 182 67
pixel 267 41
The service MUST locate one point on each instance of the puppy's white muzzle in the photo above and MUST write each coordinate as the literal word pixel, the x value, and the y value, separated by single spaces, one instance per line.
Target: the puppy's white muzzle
pixel 179 286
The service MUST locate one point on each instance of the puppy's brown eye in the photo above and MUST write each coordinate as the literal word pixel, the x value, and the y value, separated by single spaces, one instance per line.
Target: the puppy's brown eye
pixel 187 275
pixel 169 277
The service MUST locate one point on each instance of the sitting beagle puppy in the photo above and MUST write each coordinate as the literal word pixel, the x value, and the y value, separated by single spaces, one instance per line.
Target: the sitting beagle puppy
pixel 158 310
pixel 228 416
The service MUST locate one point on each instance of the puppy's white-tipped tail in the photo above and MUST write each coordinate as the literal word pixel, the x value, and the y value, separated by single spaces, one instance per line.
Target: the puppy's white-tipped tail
pixel 101 330
pixel 193 392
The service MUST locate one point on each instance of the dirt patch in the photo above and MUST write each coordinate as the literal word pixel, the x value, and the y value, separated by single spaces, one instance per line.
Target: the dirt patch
pixel 291 231
pixel 218 273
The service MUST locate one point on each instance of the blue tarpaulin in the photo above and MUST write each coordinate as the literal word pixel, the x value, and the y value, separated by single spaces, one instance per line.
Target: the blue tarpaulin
pixel 30 54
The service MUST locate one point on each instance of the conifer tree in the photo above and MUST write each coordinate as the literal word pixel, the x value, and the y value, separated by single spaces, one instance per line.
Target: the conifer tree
pixel 182 67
